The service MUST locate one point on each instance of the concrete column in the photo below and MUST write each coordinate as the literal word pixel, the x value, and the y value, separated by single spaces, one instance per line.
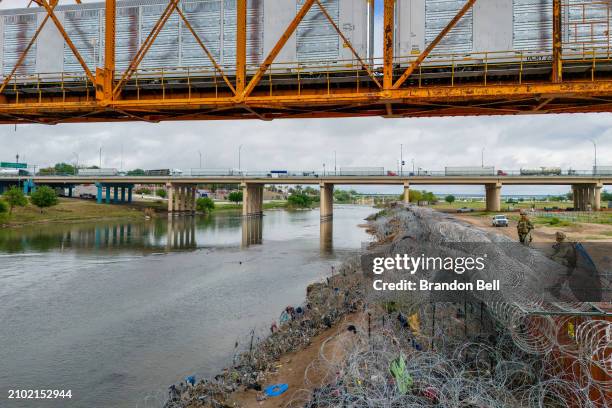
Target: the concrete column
pixel 182 198
pixel 327 201
pixel 122 194
pixel 407 193
pixel 252 200
pixel 108 194
pixel 70 191
pixel 99 195
pixel 115 194
pixel 597 199
pixel 493 197
pixel 130 194
pixel 192 200
pixel 170 189
pixel 575 196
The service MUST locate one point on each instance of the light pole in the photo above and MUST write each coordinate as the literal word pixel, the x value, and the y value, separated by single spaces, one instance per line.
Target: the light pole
pixel 77 162
pixel 335 165
pixel 482 157
pixel 100 158
pixel 323 169
pixel 200 153
pixel 412 166
pixel 401 160
pixel 239 158
pixel 595 147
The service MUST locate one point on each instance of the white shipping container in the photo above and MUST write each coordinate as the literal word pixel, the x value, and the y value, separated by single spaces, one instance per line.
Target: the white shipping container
pixel 97 172
pixel 175 47
pixel 470 171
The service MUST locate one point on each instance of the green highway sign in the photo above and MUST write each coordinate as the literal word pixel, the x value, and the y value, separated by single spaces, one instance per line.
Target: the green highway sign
pixel 8 165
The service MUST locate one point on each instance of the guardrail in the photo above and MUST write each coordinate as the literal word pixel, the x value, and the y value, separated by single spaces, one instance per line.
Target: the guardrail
pixel 319 174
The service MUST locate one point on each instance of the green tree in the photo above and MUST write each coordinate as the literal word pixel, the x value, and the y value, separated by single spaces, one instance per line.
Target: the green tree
pixel 205 204
pixel 449 198
pixel 342 196
pixel 235 196
pixel 606 196
pixel 14 197
pixel 161 192
pixel 136 172
pixel 415 196
pixel 44 197
pixel 64 168
pixel 3 206
pixel 299 200
pixel 47 171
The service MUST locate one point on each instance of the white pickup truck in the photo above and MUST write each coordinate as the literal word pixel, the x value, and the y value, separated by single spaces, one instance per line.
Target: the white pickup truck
pixel 500 221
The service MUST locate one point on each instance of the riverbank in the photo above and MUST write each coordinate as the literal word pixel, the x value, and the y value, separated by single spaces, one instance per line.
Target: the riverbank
pixel 351 346
pixel 72 211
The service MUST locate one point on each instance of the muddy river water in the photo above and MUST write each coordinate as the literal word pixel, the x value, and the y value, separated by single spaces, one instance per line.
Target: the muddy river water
pixel 116 312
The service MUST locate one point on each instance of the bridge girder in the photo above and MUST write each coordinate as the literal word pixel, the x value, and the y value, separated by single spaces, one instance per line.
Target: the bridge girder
pixel 363 90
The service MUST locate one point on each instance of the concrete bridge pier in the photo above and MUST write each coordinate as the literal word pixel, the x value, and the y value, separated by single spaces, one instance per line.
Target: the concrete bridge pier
pixel 115 190
pixel 181 199
pixel 587 197
pixel 407 193
pixel 493 197
pixel 252 200
pixel 252 231
pixel 327 201
pixel 597 198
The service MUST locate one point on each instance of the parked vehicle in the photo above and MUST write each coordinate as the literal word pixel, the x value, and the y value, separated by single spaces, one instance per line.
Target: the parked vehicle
pixel 500 221
pixel 391 174
pixel 87 196
pixel 470 171
pixel 501 173
pixel 465 210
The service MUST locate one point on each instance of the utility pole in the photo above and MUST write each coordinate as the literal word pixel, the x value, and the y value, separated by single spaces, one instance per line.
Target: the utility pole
pixel 200 153
pixel 482 158
pixel 121 163
pixel 100 158
pixel 17 158
pixel 412 166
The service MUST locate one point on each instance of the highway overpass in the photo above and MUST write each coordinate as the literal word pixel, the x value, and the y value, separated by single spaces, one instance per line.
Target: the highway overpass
pixel 182 189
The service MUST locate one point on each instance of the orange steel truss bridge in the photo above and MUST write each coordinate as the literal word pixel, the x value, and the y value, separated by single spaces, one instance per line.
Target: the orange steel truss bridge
pixel 394 86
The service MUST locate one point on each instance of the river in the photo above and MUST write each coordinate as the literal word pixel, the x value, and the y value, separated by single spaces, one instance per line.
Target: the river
pixel 116 312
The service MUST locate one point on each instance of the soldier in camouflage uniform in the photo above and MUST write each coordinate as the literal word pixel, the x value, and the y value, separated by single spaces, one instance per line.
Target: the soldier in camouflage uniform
pixel 564 252
pixel 524 228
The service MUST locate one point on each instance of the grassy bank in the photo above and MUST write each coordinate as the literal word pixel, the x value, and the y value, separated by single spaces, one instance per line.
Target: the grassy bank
pixel 220 207
pixel 481 205
pixel 72 210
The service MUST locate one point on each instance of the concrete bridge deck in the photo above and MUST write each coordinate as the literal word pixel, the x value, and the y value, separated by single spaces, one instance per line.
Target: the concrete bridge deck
pixel 181 189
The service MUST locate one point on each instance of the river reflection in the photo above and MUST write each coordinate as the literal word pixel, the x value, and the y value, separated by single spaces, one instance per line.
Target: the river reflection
pixel 117 311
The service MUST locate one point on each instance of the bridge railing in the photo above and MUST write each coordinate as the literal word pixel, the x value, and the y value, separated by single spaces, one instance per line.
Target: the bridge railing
pixel 327 173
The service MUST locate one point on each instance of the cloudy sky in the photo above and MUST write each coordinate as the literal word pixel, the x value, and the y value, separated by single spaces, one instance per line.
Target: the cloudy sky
pixel 509 143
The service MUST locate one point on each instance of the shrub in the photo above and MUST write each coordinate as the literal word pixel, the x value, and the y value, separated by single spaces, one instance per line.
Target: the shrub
pixel 299 200
pixel 143 190
pixel 44 197
pixel 161 192
pixel 14 197
pixel 205 204
pixel 235 196
pixel 4 207
pixel 450 199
